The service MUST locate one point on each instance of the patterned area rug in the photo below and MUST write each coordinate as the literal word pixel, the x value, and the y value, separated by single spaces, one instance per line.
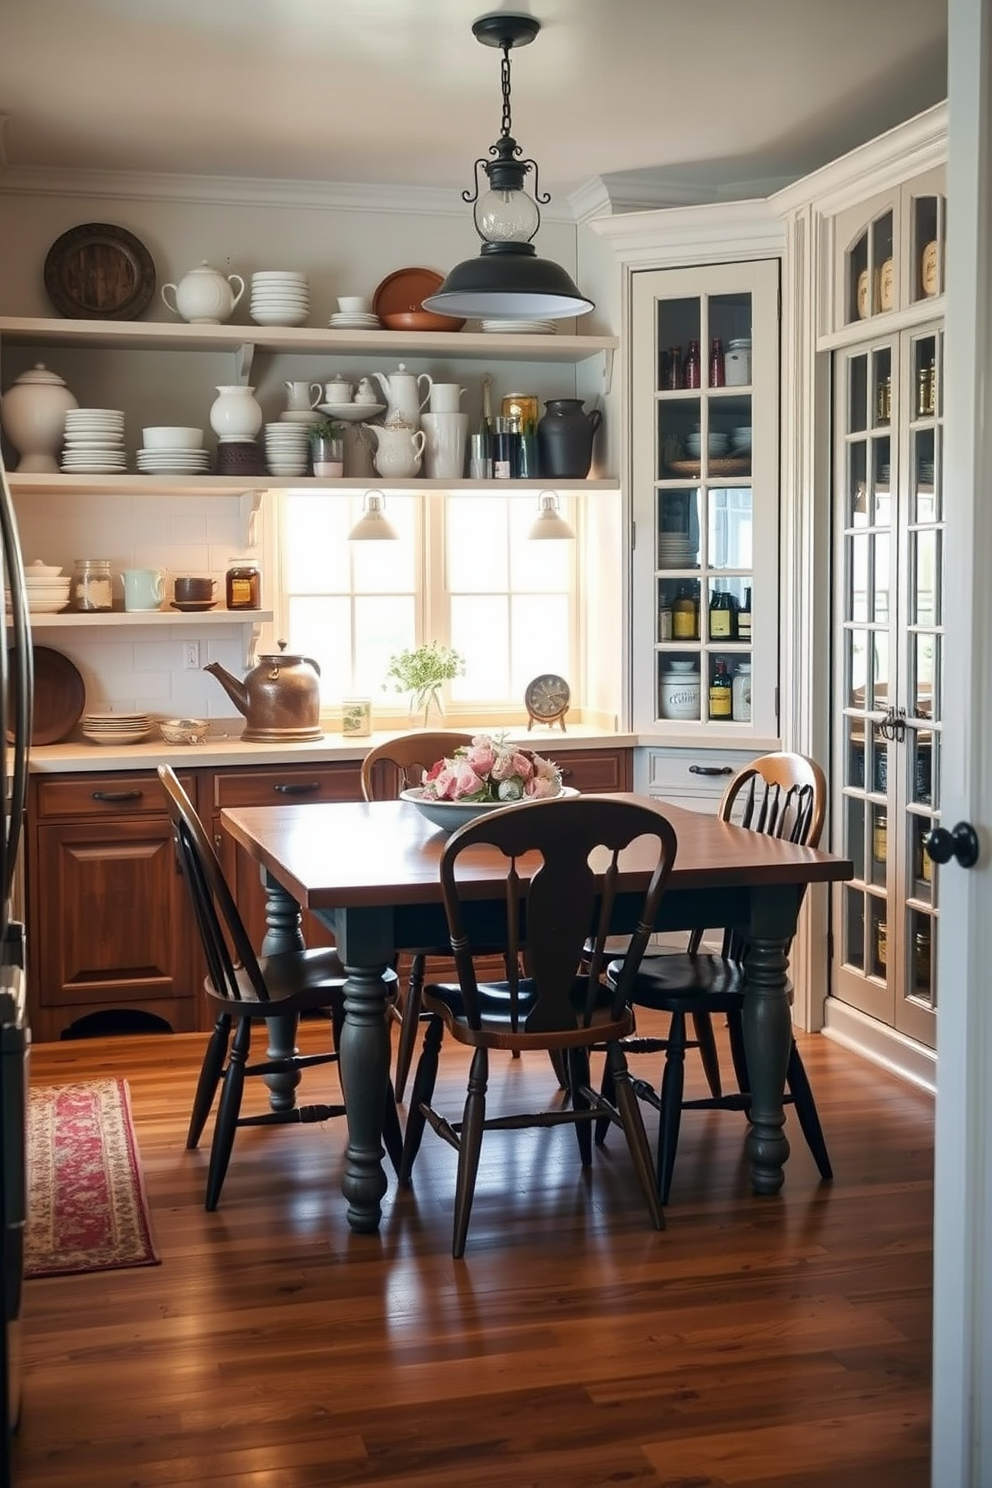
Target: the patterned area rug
pixel 86 1202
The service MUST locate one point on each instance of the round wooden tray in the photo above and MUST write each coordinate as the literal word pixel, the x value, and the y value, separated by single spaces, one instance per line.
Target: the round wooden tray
pixel 59 696
pixel 739 466
pixel 99 272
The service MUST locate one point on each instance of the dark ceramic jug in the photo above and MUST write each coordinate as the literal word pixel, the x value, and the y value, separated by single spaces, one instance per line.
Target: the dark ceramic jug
pixel 564 438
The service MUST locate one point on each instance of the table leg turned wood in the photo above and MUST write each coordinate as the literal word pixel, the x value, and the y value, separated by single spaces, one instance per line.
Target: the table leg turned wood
pixel 767 1028
pixel 284 933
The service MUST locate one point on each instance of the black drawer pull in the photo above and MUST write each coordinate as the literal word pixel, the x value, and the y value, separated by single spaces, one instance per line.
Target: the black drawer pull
pixel 298 788
pixel 710 770
pixel 115 797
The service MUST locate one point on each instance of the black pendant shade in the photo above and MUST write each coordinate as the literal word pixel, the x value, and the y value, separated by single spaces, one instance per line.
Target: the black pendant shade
pixel 507 280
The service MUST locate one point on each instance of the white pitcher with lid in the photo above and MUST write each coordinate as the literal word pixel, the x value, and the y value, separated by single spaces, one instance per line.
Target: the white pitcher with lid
pixel 204 296
pixel 401 390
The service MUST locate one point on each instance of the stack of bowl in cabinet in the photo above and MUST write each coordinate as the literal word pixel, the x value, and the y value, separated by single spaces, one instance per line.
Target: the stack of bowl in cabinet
pixel 287 449
pixel 676 550
pixel 94 442
pixel 172 450
pixel 279 297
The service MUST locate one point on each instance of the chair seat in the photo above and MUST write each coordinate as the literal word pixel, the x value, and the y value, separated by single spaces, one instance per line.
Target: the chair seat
pixel 676 982
pixel 447 1002
pixel 290 979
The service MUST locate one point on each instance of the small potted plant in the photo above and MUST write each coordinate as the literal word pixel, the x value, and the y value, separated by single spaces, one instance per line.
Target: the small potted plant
pixel 421 672
pixel 327 448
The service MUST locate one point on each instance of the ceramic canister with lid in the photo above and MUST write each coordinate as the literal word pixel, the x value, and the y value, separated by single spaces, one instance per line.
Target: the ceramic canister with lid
pixel 32 415
pixel 680 691
pixel 737 362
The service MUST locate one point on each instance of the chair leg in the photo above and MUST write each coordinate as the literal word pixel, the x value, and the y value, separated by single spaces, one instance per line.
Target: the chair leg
pixel 423 1089
pixel 633 1129
pixel 408 1025
pixel 702 1025
pixel 227 1113
pixel 470 1148
pixel 672 1087
pixel 807 1115
pixel 608 1091
pixel 337 1020
pixel 210 1072
pixel 578 1076
pixel 392 1135
pixel 560 1066
pixel 735 1028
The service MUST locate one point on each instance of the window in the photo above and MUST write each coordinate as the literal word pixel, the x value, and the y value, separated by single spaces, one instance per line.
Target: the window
pixel 463 572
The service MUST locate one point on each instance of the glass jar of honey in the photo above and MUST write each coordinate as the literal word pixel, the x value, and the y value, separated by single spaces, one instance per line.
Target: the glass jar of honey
pixel 243 585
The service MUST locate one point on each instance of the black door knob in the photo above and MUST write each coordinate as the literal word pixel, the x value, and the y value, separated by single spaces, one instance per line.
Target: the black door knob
pixel 962 843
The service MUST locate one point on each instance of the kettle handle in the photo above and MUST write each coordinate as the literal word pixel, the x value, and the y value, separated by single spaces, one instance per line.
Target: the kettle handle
pixel 430 384
pixel 313 663
pixel 173 308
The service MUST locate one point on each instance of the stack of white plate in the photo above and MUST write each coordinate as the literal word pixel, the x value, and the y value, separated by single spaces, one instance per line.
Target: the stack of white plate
pixel 47 592
pixel 279 297
pixel 717 444
pixel 522 327
pixel 117 728
pixel 343 320
pixel 287 449
pixel 676 551
pixel 740 440
pixel 94 442
pixel 173 461
pixel 305 416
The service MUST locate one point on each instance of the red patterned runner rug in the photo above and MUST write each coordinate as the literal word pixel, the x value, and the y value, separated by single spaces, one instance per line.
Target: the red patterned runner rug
pixel 86 1201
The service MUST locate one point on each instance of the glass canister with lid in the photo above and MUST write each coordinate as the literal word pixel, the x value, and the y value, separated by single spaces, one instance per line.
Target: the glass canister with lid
pixel 243 585
pixel 737 362
pixel 92 585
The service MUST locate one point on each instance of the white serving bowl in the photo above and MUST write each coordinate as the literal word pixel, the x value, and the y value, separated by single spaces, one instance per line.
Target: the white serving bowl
pixel 184 730
pixel 450 815
pixel 39 570
pixel 172 436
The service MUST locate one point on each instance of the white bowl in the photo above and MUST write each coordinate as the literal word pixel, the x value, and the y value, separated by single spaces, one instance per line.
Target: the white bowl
pixel 172 436
pixel 184 730
pixel 450 815
pixel 39 570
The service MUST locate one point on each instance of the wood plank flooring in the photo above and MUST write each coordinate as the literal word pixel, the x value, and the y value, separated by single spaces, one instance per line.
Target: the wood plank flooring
pixel 755 1343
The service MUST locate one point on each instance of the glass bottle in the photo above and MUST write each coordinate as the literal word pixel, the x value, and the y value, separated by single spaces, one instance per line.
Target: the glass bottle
pixel 880 837
pixel 243 585
pixel 671 368
pixel 665 626
pixel 721 695
pixel 721 616
pixel 744 618
pixel 691 370
pixel 717 365
pixel 685 626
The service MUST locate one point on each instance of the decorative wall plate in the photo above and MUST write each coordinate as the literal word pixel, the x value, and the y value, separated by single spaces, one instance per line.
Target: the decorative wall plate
pixel 99 272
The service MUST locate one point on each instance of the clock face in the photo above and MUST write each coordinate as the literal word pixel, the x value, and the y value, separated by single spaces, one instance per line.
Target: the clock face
pixel 547 697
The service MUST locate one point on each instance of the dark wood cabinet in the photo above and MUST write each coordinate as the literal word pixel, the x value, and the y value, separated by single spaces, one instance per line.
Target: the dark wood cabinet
pixel 110 930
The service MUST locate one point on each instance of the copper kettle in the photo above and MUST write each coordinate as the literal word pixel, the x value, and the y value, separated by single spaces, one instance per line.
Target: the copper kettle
pixel 280 698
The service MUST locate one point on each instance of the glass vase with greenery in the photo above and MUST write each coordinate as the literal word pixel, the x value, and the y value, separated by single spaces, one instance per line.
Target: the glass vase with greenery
pixel 421 672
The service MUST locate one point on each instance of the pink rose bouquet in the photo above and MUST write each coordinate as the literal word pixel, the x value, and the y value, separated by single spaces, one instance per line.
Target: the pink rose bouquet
pixel 490 770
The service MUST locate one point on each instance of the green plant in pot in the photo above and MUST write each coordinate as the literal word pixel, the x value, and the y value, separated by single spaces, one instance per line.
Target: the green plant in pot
pixel 327 448
pixel 421 671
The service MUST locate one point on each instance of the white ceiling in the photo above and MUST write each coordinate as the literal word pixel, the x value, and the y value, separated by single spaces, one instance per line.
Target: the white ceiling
pixel 713 94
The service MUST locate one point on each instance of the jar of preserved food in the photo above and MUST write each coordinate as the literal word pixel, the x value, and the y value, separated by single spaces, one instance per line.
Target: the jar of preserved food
pixel 243 583
pixel 92 585
pixel 741 692
pixel 880 837
pixel 737 362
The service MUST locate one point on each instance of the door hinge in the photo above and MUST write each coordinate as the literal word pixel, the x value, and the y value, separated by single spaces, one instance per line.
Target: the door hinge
pixel 633 534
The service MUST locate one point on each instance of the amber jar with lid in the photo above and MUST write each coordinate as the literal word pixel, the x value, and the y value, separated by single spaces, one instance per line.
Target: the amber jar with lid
pixel 243 585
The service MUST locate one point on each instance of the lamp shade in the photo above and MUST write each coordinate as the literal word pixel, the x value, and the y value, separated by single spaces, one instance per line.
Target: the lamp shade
pixel 373 525
pixel 549 521
pixel 508 280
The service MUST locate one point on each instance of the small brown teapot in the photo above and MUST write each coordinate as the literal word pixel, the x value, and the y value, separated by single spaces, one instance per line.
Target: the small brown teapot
pixel 280 698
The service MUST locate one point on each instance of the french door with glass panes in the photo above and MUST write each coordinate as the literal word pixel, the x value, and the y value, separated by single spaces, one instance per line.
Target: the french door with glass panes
pixel 888 566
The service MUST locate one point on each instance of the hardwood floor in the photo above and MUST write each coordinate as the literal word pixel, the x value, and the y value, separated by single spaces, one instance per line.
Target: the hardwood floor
pixel 755 1343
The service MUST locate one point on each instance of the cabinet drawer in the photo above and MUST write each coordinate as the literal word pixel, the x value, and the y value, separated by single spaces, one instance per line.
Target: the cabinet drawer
pixel 594 769
pixel 272 784
pixel 686 775
pixel 137 793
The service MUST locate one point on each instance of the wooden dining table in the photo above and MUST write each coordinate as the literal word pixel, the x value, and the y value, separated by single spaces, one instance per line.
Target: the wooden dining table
pixel 369 871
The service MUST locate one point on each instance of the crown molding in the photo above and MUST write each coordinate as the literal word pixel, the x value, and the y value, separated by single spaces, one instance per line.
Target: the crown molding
pixel 621 192
pixel 260 191
pixel 723 231
pixel 887 161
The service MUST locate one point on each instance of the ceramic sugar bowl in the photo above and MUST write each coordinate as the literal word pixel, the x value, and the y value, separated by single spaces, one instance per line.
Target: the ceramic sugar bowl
pixel 32 415
pixel 204 296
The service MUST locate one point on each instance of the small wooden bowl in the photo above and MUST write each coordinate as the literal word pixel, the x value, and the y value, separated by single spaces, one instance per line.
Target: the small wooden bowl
pixel 420 320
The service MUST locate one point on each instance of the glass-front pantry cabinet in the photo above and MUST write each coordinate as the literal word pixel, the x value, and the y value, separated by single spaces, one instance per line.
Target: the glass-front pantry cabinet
pixel 888 525
pixel 704 502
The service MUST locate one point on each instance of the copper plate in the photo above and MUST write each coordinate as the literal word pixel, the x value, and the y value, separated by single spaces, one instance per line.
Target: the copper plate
pixel 406 290
pixel 59 696
pixel 99 272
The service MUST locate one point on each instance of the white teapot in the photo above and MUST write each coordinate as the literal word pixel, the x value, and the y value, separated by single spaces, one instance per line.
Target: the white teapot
pixel 402 392
pixel 204 296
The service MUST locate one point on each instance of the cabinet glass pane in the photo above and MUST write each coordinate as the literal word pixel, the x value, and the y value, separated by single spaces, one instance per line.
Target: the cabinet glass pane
pixel 881 382
pixel 923 867
pixel 857 484
pixel 678 324
pixel 854 928
pixel 679 439
pixel 879 845
pixel 878 930
pixel 730 528
pixel 923 608
pixel 880 575
pixel 678 528
pixel 920 961
pixel 923 475
pixel 854 834
pixel 857 395
pixel 881 691
pixel 927 246
pixel 921 767
pixel 858 550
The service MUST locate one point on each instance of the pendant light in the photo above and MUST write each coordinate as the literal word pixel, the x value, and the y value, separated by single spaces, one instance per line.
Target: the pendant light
pixel 549 521
pixel 373 525
pixel 507 280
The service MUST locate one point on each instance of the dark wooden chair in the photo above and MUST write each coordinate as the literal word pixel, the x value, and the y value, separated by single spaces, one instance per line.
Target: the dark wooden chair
pixel 386 770
pixel 245 989
pixel 561 1004
pixel 783 795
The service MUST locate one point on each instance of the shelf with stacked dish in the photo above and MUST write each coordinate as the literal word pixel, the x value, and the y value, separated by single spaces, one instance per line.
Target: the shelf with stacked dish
pixel 249 487
pixel 87 619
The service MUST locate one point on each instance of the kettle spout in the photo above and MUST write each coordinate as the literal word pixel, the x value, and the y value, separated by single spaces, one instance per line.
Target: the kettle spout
pixel 234 689
pixel 383 381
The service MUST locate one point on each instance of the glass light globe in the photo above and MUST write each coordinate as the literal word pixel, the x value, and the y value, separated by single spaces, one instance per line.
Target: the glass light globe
pixel 506 217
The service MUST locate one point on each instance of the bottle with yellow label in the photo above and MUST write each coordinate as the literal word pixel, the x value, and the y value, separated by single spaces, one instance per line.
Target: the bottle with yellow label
pixel 685 616
pixel 721 692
